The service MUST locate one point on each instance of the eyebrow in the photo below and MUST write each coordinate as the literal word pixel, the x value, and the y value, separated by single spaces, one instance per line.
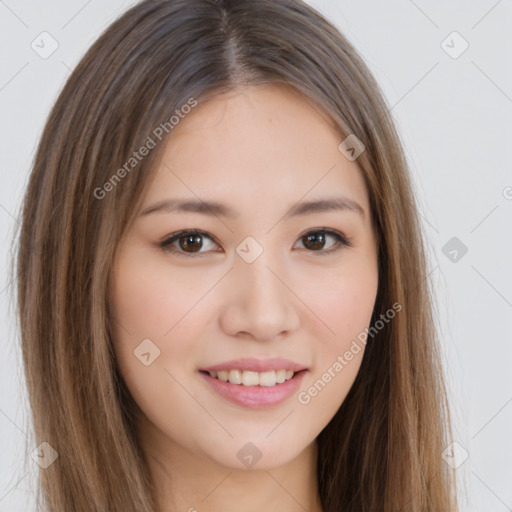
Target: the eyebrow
pixel 213 208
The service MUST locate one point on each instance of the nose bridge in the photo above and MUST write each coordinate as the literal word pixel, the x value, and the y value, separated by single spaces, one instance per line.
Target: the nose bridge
pixel 262 304
pixel 258 283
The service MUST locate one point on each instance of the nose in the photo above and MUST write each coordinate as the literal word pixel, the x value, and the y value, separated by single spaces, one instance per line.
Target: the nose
pixel 260 303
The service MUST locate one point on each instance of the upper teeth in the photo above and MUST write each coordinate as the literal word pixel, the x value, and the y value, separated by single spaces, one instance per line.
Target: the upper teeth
pixel 248 378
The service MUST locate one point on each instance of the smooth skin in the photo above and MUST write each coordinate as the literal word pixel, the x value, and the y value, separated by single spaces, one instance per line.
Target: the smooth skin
pixel 259 150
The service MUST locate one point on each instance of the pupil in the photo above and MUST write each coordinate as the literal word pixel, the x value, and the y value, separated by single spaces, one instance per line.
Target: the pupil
pixel 317 239
pixel 189 242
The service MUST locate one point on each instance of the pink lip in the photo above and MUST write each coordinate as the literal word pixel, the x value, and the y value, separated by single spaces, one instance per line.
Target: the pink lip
pixel 254 397
pixel 256 365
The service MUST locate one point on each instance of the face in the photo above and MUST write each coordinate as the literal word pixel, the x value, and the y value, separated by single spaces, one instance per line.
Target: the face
pixel 235 321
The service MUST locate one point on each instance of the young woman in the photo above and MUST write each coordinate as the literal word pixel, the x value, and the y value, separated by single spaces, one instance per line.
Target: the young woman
pixel 221 276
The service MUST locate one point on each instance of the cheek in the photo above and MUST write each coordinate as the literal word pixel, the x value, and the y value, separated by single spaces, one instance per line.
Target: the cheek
pixel 345 310
pixel 342 299
pixel 150 309
pixel 343 302
pixel 149 299
pixel 157 316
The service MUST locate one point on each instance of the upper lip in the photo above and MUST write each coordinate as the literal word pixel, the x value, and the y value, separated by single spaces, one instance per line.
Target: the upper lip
pixel 256 365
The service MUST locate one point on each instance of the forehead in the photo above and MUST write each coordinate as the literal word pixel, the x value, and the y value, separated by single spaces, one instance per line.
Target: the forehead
pixel 256 145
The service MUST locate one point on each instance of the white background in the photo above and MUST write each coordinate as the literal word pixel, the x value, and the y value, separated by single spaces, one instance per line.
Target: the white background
pixel 454 116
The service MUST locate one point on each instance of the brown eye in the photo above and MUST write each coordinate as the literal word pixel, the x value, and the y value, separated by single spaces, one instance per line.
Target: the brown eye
pixel 192 242
pixel 315 241
pixel 185 243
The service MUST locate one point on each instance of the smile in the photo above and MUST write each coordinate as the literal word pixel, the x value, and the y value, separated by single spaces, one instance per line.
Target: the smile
pixel 255 383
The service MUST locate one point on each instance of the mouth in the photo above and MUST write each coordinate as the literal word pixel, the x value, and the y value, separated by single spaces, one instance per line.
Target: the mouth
pixel 254 383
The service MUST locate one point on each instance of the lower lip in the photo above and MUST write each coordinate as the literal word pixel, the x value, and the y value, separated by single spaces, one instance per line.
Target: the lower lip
pixel 255 397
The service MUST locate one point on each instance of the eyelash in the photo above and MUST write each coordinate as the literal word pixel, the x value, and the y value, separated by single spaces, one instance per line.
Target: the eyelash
pixel 342 241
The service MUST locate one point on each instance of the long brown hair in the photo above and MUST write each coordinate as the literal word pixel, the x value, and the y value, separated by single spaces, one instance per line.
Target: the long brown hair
pixel 382 450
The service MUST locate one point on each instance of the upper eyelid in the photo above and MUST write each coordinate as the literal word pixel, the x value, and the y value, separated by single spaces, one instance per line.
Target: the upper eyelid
pixel 178 234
